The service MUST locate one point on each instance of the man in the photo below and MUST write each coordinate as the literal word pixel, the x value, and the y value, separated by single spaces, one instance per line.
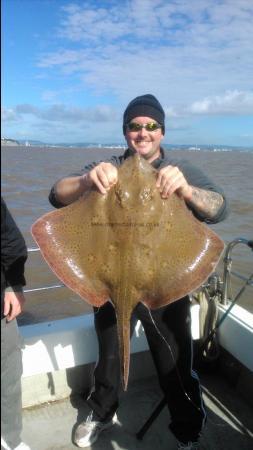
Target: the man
pixel 13 257
pixel 168 328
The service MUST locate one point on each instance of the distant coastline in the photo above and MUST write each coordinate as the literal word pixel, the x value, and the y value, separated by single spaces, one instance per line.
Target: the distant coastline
pixel 9 142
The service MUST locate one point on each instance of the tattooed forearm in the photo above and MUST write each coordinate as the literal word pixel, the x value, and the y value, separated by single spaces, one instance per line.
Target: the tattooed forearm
pixel 205 202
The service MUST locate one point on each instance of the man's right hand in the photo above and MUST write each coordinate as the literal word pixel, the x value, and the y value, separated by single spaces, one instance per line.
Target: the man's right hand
pixel 69 189
pixel 104 176
pixel 13 304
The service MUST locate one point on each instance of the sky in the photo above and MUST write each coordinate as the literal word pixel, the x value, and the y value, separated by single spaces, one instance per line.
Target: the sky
pixel 69 68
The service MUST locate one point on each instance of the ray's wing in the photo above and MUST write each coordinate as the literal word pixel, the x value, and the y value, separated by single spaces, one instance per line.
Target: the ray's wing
pixel 74 244
pixel 184 253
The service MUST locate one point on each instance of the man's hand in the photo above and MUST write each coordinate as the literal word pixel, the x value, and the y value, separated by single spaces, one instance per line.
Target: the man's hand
pixel 207 203
pixel 104 176
pixel 13 304
pixel 170 179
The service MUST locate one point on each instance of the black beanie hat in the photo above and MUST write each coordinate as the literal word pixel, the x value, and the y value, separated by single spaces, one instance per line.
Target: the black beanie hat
pixel 144 105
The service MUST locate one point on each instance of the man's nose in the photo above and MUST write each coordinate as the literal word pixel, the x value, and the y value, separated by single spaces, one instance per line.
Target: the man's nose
pixel 143 132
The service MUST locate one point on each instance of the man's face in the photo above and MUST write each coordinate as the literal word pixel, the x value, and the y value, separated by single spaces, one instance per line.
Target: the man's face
pixel 145 143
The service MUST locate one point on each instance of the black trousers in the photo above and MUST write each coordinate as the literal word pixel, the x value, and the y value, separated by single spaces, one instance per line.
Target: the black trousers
pixel 171 349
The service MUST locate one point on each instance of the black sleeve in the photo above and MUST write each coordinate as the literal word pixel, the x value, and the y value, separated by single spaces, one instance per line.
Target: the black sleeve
pixel 13 250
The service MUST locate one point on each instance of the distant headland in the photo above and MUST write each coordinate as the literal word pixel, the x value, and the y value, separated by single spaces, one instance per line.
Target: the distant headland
pixel 10 142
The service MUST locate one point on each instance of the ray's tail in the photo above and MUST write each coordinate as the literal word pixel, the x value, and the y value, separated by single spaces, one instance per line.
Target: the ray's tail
pixel 123 326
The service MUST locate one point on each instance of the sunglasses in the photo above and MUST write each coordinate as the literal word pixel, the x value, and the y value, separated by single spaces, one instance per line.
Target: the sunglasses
pixel 151 126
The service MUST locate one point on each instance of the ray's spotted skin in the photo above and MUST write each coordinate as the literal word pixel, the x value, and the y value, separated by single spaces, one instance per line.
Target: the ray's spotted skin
pixel 128 246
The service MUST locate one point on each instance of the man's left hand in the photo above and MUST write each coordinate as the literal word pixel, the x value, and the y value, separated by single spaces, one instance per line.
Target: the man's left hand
pixel 170 179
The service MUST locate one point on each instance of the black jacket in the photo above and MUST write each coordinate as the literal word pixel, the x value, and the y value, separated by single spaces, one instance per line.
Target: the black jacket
pixel 13 253
pixel 193 175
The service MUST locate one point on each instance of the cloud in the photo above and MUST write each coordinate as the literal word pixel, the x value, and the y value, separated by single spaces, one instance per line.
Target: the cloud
pixel 63 113
pixel 9 115
pixel 177 50
pixel 62 56
pixel 171 112
pixel 154 20
pixel 59 123
pixel 49 95
pixel 232 102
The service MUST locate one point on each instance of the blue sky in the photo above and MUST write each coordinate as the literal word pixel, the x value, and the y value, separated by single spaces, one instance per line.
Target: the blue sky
pixel 69 68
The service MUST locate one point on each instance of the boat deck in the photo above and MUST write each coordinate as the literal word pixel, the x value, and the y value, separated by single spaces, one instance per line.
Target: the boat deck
pixel 229 424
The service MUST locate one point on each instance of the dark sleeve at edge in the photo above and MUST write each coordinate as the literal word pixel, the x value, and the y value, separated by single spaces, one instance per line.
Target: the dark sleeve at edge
pixel 13 249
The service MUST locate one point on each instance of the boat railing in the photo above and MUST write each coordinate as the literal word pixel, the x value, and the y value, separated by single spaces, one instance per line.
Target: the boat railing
pixel 44 288
pixel 228 272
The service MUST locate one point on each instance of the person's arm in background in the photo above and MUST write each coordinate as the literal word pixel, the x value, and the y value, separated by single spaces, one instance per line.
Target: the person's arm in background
pixel 13 258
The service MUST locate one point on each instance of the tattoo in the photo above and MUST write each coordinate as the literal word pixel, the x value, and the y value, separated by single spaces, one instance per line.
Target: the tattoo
pixel 205 202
